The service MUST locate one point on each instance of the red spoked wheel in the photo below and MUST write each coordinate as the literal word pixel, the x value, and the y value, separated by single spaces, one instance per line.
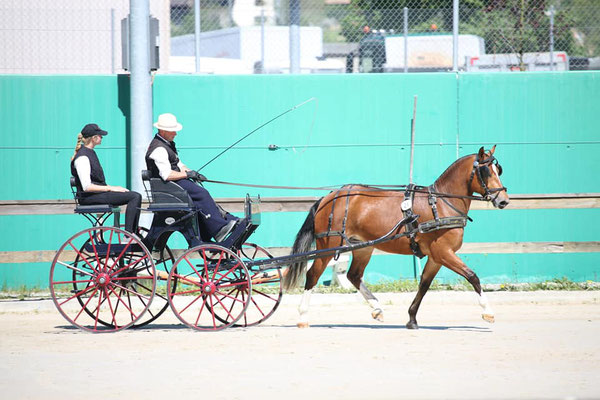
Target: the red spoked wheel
pixel 266 291
pixel 208 277
pixel 102 279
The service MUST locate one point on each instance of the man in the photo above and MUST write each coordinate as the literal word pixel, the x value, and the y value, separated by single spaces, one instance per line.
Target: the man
pixel 163 161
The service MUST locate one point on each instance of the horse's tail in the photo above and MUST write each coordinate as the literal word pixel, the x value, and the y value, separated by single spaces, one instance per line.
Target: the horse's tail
pixel 302 244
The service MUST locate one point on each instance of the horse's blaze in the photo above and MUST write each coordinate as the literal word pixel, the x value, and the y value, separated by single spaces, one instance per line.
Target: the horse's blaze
pixel 488 318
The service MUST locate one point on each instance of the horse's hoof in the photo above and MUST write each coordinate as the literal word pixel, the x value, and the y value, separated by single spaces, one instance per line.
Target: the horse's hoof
pixel 302 325
pixel 377 314
pixel 412 325
pixel 488 318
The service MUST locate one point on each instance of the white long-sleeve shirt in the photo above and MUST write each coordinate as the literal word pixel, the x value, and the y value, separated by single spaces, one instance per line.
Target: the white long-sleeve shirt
pixel 161 158
pixel 84 171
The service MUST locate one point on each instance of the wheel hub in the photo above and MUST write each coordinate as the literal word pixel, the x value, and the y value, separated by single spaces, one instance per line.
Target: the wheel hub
pixel 209 288
pixel 103 279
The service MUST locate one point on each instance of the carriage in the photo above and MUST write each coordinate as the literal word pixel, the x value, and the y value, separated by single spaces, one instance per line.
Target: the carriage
pixel 105 279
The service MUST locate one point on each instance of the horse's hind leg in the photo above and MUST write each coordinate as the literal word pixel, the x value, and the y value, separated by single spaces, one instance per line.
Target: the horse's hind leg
pixel 360 259
pixel 429 272
pixel 312 277
pixel 452 261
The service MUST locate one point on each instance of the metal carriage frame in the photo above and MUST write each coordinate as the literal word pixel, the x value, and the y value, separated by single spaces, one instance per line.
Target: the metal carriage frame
pixel 104 279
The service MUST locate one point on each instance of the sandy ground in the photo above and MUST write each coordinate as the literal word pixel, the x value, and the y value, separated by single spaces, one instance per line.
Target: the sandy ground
pixel 543 345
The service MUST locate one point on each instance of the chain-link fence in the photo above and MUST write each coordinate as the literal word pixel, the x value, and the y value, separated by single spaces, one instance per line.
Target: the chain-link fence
pixel 334 36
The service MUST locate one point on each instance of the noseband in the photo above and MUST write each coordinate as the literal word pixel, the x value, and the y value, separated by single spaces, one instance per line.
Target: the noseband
pixel 488 194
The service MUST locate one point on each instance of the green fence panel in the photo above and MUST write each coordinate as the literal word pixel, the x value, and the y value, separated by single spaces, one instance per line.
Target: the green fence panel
pixel 356 129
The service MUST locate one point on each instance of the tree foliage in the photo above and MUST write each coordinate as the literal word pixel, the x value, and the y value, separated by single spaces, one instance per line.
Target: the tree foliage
pixel 507 26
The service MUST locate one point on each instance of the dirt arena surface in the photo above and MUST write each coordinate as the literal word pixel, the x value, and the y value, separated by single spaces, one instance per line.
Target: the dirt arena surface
pixel 543 345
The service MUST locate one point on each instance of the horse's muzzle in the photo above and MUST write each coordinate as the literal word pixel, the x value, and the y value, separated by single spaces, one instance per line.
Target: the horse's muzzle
pixel 502 203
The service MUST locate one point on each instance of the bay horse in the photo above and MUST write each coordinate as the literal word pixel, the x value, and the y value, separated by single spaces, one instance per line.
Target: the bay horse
pixel 363 214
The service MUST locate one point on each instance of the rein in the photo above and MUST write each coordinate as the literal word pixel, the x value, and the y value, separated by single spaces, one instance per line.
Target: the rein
pixel 370 188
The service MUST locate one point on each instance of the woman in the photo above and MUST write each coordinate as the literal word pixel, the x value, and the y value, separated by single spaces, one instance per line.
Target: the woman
pixel 91 184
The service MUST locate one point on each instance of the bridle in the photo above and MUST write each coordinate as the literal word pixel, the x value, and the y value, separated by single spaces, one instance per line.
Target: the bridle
pixel 478 165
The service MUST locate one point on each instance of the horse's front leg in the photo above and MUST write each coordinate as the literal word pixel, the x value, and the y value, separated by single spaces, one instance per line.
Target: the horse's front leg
pixel 429 272
pixel 452 261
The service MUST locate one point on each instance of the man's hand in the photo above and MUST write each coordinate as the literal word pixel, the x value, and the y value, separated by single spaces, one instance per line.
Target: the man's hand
pixel 195 176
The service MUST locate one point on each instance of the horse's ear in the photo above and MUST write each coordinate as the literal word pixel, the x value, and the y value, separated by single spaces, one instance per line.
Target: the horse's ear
pixel 492 150
pixel 481 153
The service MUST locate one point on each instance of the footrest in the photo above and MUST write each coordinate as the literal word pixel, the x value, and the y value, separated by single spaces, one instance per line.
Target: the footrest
pixel 96 208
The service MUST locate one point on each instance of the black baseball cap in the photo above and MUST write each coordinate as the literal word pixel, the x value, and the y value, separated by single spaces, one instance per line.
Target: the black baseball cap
pixel 92 129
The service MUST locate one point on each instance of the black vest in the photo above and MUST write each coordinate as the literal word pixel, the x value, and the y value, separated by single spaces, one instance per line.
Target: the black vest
pixel 171 151
pixel 97 173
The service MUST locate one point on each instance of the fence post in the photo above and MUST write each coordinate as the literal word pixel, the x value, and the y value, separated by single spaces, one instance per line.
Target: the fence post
pixel 405 39
pixel 551 13
pixel 455 35
pixel 262 41
pixel 294 36
pixel 197 28
pixel 112 40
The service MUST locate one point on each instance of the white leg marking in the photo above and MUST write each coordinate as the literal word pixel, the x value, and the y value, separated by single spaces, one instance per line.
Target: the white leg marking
pixel 485 305
pixel 303 308
pixel 374 303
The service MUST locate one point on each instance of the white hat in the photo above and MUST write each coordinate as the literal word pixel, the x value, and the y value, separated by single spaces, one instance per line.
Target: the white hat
pixel 168 122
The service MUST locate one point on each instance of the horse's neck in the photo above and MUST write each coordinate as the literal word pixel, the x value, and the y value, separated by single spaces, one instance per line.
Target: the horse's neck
pixel 454 181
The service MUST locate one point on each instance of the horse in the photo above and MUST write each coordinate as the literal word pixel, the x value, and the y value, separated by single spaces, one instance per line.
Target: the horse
pixel 364 213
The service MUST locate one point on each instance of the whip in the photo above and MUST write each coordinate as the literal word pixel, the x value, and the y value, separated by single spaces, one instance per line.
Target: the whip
pixel 256 129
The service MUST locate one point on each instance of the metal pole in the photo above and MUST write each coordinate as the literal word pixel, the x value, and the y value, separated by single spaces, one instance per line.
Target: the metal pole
pixel 405 39
pixel 262 41
pixel 412 139
pixel 112 40
pixel 197 34
pixel 294 36
pixel 455 35
pixel 552 12
pixel 141 88
pixel 416 261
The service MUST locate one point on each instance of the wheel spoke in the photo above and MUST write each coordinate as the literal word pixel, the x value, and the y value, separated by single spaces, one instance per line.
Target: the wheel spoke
pixel 87 289
pixel 82 257
pixel 218 264
pixel 84 307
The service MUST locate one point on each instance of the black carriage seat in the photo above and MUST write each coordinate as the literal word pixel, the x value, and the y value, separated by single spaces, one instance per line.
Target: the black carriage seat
pixel 166 196
pixel 89 211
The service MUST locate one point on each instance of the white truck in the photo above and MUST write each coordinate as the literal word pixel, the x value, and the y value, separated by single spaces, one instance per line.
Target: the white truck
pixel 380 52
pixel 516 62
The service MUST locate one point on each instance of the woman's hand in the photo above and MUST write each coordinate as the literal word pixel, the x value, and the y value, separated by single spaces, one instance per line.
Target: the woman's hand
pixel 117 189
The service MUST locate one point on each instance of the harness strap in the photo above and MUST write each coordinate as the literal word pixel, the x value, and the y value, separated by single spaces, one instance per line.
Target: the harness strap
pixel 342 233
pixel 432 204
pixel 451 205
pixel 412 227
pixel 330 219
pixel 346 215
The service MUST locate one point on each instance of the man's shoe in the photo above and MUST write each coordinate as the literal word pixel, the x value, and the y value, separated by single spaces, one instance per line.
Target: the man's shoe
pixel 224 231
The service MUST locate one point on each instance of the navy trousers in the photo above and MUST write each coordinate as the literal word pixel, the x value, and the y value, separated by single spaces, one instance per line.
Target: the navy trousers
pixel 132 199
pixel 205 203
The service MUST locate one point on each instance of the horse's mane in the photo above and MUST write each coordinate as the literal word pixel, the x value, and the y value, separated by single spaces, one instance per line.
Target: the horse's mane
pixel 451 169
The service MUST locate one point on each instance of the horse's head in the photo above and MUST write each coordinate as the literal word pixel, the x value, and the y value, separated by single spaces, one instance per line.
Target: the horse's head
pixel 488 184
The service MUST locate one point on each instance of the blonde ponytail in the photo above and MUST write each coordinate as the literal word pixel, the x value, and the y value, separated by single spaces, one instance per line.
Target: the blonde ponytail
pixel 78 145
pixel 81 141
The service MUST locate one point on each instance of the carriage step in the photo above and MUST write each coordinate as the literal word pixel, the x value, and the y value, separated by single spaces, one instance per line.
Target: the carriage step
pixel 115 249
